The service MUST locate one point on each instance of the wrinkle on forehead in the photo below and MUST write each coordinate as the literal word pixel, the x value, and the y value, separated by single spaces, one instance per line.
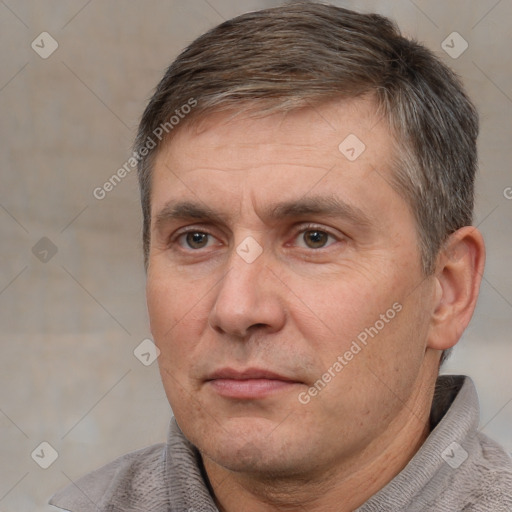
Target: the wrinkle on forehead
pixel 326 121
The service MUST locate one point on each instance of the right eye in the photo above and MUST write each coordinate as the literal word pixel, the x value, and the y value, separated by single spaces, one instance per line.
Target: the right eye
pixel 195 240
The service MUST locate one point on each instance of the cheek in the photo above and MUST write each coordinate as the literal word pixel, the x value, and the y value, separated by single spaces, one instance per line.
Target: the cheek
pixel 172 324
pixel 168 304
pixel 375 327
pixel 171 298
pixel 162 307
pixel 338 309
pixel 178 314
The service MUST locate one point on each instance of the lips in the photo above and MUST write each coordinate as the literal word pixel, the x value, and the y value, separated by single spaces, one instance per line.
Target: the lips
pixel 246 374
pixel 249 383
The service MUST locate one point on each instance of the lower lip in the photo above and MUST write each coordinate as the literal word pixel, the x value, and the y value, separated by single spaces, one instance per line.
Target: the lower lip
pixel 248 389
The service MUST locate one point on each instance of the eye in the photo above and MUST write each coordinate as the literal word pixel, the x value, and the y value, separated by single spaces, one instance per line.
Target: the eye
pixel 195 240
pixel 314 239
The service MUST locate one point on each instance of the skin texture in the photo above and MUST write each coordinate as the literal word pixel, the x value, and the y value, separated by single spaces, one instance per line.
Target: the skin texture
pixel 296 308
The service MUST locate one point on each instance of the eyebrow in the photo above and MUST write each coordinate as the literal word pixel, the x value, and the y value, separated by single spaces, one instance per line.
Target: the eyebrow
pixel 185 210
pixel 330 206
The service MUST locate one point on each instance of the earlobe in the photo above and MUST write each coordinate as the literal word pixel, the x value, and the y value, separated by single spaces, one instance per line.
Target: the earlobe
pixel 459 270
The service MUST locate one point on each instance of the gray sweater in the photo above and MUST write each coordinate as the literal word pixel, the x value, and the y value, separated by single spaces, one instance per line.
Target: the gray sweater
pixel 458 469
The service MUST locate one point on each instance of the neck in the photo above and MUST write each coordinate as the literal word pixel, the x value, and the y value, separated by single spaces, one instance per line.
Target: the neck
pixel 343 487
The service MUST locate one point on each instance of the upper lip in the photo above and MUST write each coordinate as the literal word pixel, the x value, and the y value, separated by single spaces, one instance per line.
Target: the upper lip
pixel 247 373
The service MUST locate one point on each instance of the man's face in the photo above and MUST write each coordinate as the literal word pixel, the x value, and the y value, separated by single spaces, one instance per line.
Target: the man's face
pixel 278 261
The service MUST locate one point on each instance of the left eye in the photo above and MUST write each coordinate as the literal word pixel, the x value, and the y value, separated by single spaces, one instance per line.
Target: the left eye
pixel 314 239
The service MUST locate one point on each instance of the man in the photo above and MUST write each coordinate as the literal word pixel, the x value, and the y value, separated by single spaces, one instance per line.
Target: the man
pixel 307 185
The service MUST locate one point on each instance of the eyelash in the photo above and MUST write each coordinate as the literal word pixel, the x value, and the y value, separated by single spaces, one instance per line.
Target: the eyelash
pixel 303 229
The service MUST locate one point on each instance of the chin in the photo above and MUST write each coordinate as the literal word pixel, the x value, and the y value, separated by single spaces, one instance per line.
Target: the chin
pixel 254 446
pixel 256 460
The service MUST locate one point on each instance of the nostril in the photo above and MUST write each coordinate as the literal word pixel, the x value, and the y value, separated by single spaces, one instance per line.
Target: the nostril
pixel 258 326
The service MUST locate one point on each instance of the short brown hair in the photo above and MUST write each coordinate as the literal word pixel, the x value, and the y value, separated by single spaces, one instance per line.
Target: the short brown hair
pixel 304 53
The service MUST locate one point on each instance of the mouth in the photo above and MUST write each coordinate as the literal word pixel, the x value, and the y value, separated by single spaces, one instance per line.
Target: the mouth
pixel 249 383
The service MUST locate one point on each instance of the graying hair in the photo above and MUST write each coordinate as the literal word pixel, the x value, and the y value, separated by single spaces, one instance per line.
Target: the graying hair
pixel 306 53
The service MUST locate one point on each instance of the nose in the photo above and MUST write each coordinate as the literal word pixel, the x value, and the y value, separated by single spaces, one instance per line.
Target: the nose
pixel 248 299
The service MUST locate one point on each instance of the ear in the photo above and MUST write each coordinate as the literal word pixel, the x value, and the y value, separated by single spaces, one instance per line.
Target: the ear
pixel 459 270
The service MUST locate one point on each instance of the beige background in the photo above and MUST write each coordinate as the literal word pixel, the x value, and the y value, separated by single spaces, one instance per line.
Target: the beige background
pixel 69 326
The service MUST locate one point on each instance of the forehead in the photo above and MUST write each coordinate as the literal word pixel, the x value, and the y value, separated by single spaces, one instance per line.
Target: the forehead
pixel 316 127
pixel 339 147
